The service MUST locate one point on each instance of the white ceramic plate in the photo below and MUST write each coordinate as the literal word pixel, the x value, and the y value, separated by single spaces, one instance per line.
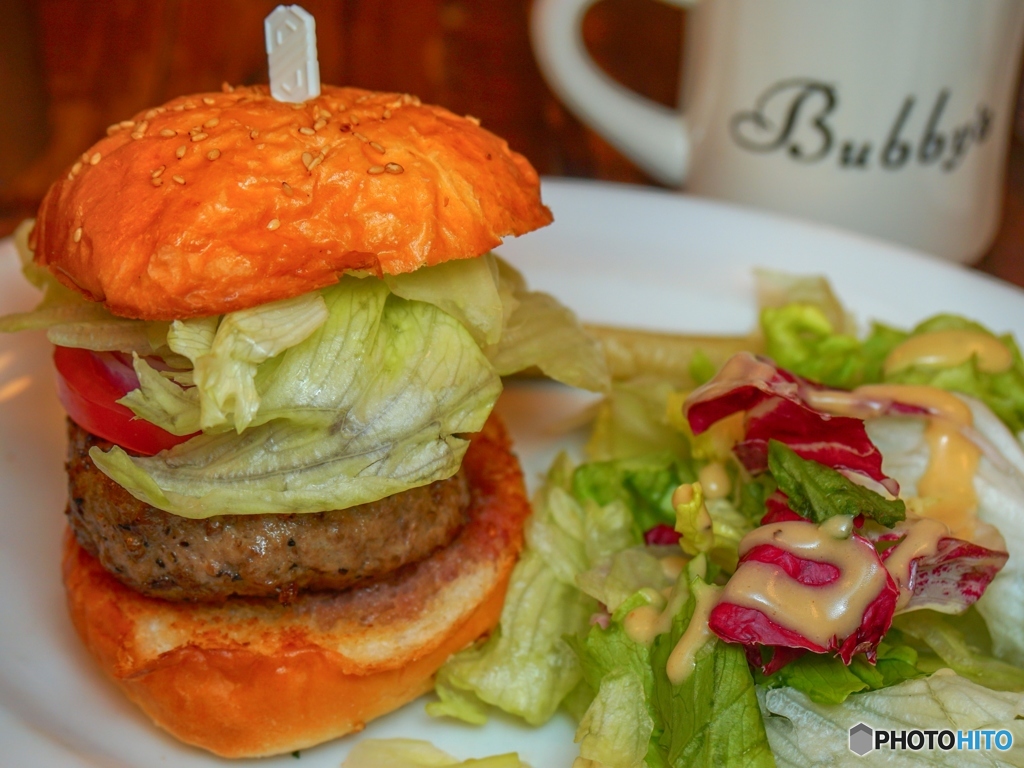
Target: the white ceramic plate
pixel 617 254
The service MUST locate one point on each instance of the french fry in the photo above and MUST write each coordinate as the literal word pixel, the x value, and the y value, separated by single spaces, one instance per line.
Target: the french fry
pixel 633 353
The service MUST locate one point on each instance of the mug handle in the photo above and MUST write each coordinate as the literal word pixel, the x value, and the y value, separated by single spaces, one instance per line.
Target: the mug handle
pixel 652 136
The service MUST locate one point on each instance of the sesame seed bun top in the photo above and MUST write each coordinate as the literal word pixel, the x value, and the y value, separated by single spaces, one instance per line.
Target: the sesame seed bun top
pixel 222 201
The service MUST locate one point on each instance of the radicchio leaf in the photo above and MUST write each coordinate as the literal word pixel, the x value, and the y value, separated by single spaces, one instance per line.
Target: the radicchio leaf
pixel 771 646
pixel 661 534
pixel 951 579
pixel 777 406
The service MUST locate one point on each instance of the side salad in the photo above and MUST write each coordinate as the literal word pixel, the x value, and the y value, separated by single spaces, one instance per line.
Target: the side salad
pixel 824 531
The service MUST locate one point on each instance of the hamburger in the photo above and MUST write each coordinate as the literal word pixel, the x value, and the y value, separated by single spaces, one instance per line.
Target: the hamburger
pixel 279 339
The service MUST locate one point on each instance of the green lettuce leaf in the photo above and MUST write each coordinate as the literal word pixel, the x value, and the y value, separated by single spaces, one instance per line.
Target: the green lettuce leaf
pixel 711 526
pixel 1002 392
pixel 326 435
pixel 799 338
pixel 526 667
pixel 961 643
pixel 226 374
pixel 70 319
pixel 644 484
pixel 807 332
pixel 638 717
pixel 779 289
pixel 633 421
pixel 160 401
pixel 818 492
pixel 803 732
pixel 712 717
pixel 614 579
pixel 617 727
pixel 539 331
pixel 827 680
pixel 413 753
pixel 466 289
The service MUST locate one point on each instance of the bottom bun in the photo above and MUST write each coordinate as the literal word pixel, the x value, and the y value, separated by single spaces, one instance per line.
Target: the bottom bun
pixel 252 677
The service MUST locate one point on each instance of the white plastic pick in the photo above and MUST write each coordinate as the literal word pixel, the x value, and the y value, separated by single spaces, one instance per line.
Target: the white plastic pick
pixel 291 54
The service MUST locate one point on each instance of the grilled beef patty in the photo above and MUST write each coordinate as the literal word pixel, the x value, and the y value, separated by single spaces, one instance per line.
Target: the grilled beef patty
pixel 177 558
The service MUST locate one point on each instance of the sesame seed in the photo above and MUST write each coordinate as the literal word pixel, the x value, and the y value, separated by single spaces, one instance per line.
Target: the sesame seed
pixel 387 113
pixel 307 131
pixel 375 169
pixel 199 136
pixel 151 114
pixel 315 163
pixel 207 100
pixel 213 122
pixel 142 127
pixel 393 168
pixel 111 129
pixel 377 146
pixel 180 152
pixel 213 154
pixel 77 236
pixel 325 113
pixel 260 146
pixel 298 106
pixel 227 87
pixel 273 224
pixel 306 159
pixel 137 135
pixel 473 120
pixel 359 136
pixel 354 119
pixel 188 105
pixel 127 123
pixel 286 188
pixel 156 174
pixel 319 124
pixel 253 133
pixel 76 167
pixel 85 157
pixel 178 179
pixel 179 108
pixel 168 133
pixel 156 182
pixel 95 159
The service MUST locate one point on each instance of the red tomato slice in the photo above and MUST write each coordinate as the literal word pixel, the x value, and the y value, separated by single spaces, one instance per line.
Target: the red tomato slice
pixel 89 385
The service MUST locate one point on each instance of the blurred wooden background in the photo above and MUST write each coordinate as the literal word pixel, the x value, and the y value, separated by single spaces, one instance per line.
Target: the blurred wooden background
pixel 70 68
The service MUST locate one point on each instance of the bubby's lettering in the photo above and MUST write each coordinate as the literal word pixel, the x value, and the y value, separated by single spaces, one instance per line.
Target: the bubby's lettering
pixel 800 118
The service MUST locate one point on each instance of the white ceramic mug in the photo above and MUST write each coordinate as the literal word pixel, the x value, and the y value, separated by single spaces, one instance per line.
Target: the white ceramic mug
pixel 890 117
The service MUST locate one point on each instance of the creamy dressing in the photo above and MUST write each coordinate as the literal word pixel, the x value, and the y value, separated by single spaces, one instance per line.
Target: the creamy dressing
pixel 819 613
pixel 922 540
pixel 683 658
pixel 714 480
pixel 645 623
pixel 944 349
pixel 947 484
pixel 683 496
pixel 672 566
